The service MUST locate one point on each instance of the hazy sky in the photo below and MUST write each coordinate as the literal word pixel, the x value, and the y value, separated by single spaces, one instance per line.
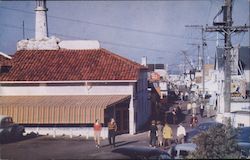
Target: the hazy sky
pixel 132 29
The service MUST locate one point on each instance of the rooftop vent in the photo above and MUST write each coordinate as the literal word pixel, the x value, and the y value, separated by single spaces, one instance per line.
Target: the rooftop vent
pixel 79 44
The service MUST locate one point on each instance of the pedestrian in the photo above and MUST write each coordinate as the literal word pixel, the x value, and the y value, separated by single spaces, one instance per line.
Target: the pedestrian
pixel 167 134
pixel 179 117
pixel 194 108
pixel 201 109
pixel 193 121
pixel 112 129
pixel 189 107
pixel 97 132
pixel 182 96
pixel 152 134
pixel 181 133
pixel 174 116
pixel 186 96
pixel 159 133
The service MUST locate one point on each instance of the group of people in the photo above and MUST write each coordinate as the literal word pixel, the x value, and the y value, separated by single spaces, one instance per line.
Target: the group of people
pixel 163 135
pixel 112 129
pixel 192 107
pixel 177 115
pixel 183 96
pixel 160 135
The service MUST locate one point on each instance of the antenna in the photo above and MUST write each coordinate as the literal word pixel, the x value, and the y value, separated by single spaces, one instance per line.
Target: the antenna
pixel 23 31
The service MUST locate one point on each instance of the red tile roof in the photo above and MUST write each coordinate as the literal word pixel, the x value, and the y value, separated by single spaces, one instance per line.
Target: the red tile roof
pixel 70 65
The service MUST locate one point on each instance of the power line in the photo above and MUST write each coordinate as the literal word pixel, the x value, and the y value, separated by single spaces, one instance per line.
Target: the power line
pixel 108 26
pixel 104 25
pixel 105 42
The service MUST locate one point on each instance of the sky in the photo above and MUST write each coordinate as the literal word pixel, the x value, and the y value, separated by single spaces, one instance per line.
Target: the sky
pixel 132 29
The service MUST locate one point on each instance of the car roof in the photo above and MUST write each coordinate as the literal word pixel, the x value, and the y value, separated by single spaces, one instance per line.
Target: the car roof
pixel 244 134
pixel 3 116
pixel 209 122
pixel 186 146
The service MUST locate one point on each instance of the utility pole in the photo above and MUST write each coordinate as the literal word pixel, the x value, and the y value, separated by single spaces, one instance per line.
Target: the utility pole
pixel 198 67
pixel 227 29
pixel 203 62
pixel 203 44
pixel 184 63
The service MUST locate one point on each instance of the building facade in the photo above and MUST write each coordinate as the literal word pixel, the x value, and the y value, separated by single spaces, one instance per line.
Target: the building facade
pixel 240 88
pixel 68 87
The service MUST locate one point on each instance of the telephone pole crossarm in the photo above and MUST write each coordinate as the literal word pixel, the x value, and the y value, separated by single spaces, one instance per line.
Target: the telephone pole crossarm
pixel 223 28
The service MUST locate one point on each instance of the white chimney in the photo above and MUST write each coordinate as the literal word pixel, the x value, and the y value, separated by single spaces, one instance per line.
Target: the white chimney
pixel 41 20
pixel 144 61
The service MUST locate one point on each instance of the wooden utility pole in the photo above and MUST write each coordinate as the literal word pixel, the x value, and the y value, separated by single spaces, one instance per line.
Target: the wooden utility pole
pixel 198 66
pixel 203 44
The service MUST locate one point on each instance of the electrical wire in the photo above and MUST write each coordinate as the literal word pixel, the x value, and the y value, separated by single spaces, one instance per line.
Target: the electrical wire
pixel 102 41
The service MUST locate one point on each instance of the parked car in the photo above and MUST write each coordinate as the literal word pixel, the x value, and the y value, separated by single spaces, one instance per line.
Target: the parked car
pixel 143 152
pixel 202 127
pixel 9 131
pixel 181 151
pixel 243 140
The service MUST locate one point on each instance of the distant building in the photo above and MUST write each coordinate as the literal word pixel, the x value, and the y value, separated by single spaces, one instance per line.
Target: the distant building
pixel 240 86
pixel 158 74
pixel 160 69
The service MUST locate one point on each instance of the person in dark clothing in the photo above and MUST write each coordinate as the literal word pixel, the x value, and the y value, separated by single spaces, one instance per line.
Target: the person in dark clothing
pixel 201 109
pixel 178 114
pixel 174 116
pixel 112 128
pixel 152 134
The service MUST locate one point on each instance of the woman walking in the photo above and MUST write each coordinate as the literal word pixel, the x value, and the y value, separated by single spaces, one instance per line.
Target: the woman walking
pixel 97 132
pixel 193 121
pixel 167 134
pixel 159 133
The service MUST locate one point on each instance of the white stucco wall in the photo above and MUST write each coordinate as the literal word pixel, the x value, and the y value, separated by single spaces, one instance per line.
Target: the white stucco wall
pixel 240 118
pixel 65 90
pixel 247 76
pixel 240 106
pixel 86 132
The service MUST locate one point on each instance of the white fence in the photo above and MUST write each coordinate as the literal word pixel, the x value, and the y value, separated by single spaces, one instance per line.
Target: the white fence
pixel 66 131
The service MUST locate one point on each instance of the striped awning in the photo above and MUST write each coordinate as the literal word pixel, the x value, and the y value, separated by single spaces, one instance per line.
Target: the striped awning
pixel 58 109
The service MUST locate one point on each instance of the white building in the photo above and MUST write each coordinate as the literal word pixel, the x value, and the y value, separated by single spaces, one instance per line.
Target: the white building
pixel 62 73
pixel 159 74
pixel 240 87
pixel 61 87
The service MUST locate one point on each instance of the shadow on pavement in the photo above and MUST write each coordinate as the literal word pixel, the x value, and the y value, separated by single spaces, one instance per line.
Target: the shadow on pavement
pixel 23 138
pixel 123 144
pixel 115 143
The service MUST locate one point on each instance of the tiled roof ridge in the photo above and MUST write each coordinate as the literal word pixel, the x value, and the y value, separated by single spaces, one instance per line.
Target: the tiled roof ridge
pixel 73 64
pixel 5 55
pixel 124 59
